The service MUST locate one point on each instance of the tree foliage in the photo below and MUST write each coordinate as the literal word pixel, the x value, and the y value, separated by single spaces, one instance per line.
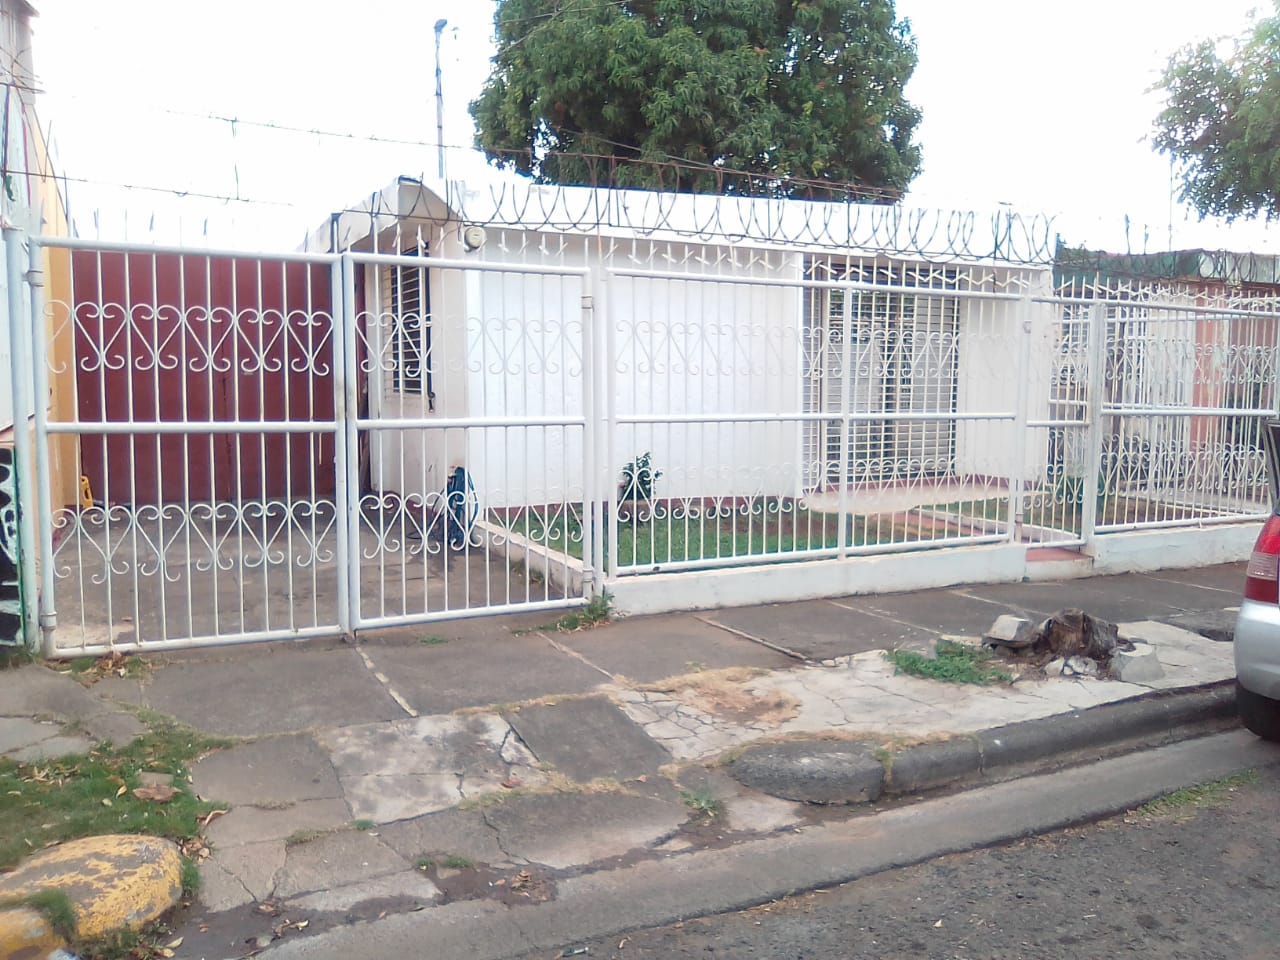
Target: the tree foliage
pixel 1221 122
pixel 786 92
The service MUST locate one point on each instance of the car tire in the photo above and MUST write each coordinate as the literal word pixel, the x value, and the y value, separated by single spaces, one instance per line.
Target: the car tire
pixel 1259 714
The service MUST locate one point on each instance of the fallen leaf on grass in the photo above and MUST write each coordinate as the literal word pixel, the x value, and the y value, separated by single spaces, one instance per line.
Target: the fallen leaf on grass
pixel 209 817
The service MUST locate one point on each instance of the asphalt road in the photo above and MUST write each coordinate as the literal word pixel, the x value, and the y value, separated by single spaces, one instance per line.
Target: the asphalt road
pixel 1197 879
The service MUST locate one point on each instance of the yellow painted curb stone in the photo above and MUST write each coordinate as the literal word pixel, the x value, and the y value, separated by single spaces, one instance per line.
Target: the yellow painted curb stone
pixel 26 935
pixel 114 882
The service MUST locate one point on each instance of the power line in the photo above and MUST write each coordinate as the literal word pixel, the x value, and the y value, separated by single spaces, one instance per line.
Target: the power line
pixel 175 191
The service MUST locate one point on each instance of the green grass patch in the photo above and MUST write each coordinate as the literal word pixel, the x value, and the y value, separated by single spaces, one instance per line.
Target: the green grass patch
pixel 53 905
pixel 433 640
pixel 455 862
pixel 424 863
pixel 663 534
pixel 53 801
pixel 363 824
pixel 1183 804
pixel 953 663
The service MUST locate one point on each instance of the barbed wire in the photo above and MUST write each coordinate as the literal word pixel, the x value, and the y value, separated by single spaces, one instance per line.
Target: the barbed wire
pixel 749 208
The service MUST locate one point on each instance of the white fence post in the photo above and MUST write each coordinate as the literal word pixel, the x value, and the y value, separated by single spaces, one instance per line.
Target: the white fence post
pixel 345 460
pixel 20 358
pixel 1089 489
pixel 44 486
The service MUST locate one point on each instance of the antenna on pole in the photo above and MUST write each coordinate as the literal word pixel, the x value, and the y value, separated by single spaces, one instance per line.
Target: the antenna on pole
pixel 439 28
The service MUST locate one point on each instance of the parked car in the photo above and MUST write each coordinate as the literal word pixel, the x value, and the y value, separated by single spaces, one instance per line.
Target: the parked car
pixel 1257 638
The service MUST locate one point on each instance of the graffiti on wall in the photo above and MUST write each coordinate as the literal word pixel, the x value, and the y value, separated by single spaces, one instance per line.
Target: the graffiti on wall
pixel 10 606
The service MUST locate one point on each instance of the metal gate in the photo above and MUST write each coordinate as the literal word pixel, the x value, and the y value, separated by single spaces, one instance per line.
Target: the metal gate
pixel 241 448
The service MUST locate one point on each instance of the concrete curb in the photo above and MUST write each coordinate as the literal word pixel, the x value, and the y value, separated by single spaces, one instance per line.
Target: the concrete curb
pixel 654 893
pixel 1033 746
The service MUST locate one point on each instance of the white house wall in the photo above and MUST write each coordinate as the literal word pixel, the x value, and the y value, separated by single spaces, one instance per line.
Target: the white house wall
pixel 680 347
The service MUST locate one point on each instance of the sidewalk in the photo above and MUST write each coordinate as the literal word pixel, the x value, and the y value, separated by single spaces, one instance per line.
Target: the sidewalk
pixel 490 760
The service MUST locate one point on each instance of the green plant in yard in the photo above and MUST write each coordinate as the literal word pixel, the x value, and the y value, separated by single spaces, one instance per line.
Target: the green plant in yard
pixel 433 640
pixel 363 824
pixel 455 862
pixel 638 478
pixel 953 663
pixel 52 801
pixel 424 863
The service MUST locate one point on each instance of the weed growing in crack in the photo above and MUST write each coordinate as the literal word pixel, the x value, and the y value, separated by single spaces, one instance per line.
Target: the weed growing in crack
pixel 702 802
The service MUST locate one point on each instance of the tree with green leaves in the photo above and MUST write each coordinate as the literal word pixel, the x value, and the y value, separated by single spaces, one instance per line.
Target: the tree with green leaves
pixel 732 96
pixel 1221 122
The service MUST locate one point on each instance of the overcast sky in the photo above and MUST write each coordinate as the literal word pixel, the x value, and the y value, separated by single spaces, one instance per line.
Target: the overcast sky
pixel 1042 107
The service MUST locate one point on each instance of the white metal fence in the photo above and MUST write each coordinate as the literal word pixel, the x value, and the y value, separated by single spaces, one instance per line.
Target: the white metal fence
pixel 246 448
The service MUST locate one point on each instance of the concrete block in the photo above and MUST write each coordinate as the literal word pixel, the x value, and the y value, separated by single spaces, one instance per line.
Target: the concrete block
pixel 1140 665
pixel 1006 627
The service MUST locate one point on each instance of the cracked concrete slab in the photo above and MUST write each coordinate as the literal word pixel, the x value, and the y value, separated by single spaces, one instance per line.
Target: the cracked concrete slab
pixel 565 830
pixel 277 770
pixel 401 770
pixel 821 629
pixel 35 690
pixel 408 889
pixel 249 824
pixel 278 691
pixel 945 611
pixel 462 833
pixel 253 866
pixel 587 739
pixel 651 648
pixel 17 733
pixel 220 889
pixel 51 748
pixel 334 860
pixel 474 673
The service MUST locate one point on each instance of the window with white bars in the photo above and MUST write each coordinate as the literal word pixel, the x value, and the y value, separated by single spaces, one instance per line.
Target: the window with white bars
pixel 409 291
pixel 892 353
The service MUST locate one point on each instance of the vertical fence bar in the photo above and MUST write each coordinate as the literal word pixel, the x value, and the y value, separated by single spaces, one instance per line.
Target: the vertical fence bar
pixel 40 373
pixel 1097 332
pixel 24 482
pixel 340 318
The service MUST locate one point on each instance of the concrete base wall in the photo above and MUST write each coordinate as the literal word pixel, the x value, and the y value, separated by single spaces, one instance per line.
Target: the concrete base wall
pixel 926 569
pixel 811 579
pixel 1169 549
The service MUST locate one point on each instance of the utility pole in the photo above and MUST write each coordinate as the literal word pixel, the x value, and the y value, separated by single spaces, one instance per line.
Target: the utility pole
pixel 440 25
